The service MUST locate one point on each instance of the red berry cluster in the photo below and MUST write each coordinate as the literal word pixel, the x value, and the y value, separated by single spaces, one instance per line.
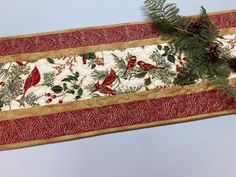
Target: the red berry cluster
pixel 51 97
pixel 2 84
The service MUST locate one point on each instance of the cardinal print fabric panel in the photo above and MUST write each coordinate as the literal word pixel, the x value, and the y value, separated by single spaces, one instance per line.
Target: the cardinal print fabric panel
pixel 25 84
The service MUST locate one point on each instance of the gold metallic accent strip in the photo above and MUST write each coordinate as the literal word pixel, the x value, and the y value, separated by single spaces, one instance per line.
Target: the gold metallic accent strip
pixel 113 130
pixel 227 31
pixel 105 101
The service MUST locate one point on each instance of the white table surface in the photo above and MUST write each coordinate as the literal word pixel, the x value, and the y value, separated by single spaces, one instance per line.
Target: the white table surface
pixel 204 148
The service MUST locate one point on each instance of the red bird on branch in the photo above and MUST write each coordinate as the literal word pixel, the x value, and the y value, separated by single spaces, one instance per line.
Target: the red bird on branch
pixel 107 81
pixel 130 64
pixel 147 66
pixel 110 78
pixel 32 80
pixel 104 89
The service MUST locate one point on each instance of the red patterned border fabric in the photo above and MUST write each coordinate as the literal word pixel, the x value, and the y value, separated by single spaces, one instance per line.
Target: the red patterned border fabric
pixel 86 120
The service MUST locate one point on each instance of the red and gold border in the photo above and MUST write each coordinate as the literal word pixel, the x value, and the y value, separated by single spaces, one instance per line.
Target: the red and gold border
pixel 83 40
pixel 86 118
pixel 106 119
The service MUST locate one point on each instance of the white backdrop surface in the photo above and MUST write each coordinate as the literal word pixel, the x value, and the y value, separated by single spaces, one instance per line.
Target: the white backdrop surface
pixel 204 148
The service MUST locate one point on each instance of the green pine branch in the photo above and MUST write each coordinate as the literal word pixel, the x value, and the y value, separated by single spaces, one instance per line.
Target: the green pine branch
pixel 163 15
pixel 197 40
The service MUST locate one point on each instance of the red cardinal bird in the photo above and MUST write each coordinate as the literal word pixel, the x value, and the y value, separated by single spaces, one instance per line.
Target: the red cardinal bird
pixel 130 64
pixel 110 78
pixel 104 89
pixel 32 79
pixel 147 66
pixel 107 81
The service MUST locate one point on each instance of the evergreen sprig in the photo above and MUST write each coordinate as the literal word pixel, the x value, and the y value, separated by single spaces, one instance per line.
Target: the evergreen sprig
pixel 164 15
pixel 196 39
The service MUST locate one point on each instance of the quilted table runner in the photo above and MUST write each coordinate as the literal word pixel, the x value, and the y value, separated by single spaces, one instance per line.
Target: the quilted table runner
pixel 79 83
